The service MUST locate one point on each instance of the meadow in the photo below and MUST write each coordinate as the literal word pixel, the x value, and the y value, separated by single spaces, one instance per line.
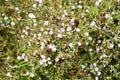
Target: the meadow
pixel 59 39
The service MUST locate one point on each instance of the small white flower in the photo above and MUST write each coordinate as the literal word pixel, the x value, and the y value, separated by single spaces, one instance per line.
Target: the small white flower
pixel 79 6
pixel 96 78
pixel 119 45
pixel 73 7
pixel 34 5
pixel 96 69
pixel 44 60
pixel 48 58
pixel 83 66
pixel 97 3
pixel 72 20
pixel 94 64
pixel 46 23
pixel 86 34
pixel 56 59
pixel 59 35
pixel 51 32
pixel 98 73
pixel 26 59
pixel 90 49
pixel 49 62
pixel 9 74
pixel 35 24
pixel 40 1
pixel 111 45
pixel 69 29
pixel 90 38
pixel 77 29
pixel 92 24
pixel 27 27
pixel 23 56
pixel 52 47
pixel 12 23
pixel 16 8
pixel 43 56
pixel 31 15
pixel 79 43
pixel 31 75
pixel 41 62
pixel 39 34
pixel 71 44
pixel 19 57
pixel 5 18
pixel 107 15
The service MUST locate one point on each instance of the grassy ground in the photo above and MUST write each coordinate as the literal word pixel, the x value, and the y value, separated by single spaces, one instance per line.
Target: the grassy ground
pixel 59 39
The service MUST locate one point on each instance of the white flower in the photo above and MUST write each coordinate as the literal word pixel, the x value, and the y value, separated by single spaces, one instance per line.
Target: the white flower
pixel 98 73
pixel 119 45
pixel 9 74
pixel 59 35
pixel 49 62
pixel 90 49
pixel 31 15
pixel 90 38
pixel 94 64
pixel 79 43
pixel 92 24
pixel 56 59
pixel 99 0
pixel 86 34
pixel 27 27
pixel 43 56
pixel 97 3
pixel 23 56
pixel 39 34
pixel 17 8
pixel 31 75
pixel 83 66
pixel 96 69
pixel 51 32
pixel 19 57
pixel 46 23
pixel 12 23
pixel 40 1
pixel 77 29
pixel 26 59
pixel 52 47
pixel 5 18
pixel 111 45
pixel 69 29
pixel 34 5
pixel 73 19
pixel 41 62
pixel 79 6
pixel 107 15
pixel 73 7
pixel 96 78
pixel 71 44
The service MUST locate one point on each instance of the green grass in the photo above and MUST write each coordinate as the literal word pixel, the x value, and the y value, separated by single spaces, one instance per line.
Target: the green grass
pixel 59 40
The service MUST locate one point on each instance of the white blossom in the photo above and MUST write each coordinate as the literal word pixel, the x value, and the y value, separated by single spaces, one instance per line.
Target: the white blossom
pixel 59 35
pixel 92 24
pixel 31 15
pixel 46 23
pixel 9 74
pixel 107 16
pixel 12 23
pixel 77 29
pixel 86 34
